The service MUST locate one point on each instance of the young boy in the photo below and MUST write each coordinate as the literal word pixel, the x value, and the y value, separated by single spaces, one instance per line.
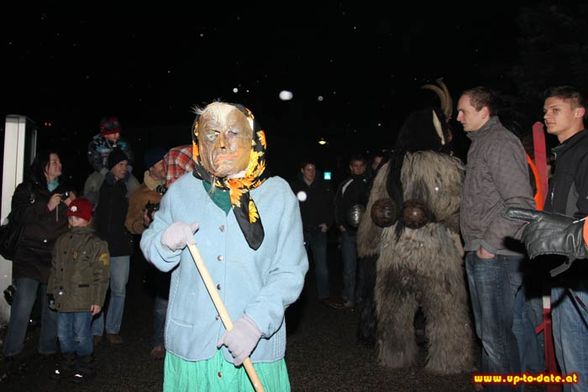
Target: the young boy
pixel 99 150
pixel 77 287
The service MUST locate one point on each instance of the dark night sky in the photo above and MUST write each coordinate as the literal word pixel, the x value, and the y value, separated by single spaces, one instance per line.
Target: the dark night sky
pixel 354 69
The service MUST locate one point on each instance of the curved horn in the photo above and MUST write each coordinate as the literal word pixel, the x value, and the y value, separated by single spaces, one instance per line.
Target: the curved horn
pixel 448 110
pixel 441 93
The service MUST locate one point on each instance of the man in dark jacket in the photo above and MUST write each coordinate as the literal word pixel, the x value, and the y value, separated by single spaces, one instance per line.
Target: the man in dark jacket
pixel 110 218
pixel 315 198
pixel 565 110
pixel 350 202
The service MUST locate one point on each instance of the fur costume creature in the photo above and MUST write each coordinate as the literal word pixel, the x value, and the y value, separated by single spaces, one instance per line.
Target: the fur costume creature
pixel 424 267
pixel 420 257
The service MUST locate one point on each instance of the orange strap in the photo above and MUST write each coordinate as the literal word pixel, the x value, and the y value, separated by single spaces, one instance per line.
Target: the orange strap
pixel 585 232
pixel 540 156
pixel 539 200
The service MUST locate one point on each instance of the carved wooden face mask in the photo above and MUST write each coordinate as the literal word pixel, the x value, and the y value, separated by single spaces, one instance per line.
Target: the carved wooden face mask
pixel 224 139
pixel 228 149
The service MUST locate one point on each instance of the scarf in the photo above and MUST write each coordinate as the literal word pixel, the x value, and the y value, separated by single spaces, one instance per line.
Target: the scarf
pixel 243 205
pixel 52 185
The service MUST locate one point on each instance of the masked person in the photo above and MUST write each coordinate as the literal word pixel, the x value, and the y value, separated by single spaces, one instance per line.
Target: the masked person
pixel 412 231
pixel 248 229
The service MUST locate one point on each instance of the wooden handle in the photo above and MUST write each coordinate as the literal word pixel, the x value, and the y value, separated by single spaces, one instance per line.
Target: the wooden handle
pixel 222 311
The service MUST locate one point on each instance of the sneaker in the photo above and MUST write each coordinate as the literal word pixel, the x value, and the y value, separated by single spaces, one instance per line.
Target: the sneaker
pixel 158 352
pixel 80 376
pixel 84 370
pixel 114 338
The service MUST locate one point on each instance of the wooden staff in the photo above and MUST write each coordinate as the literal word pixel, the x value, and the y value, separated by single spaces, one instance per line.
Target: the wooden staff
pixel 222 311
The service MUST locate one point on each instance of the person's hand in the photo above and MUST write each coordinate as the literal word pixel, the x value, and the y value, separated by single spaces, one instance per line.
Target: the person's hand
pixel 146 218
pixel 71 197
pixel 54 201
pixel 178 235
pixel 51 301
pixel 323 227
pixel 95 309
pixel 548 233
pixel 484 254
pixel 241 340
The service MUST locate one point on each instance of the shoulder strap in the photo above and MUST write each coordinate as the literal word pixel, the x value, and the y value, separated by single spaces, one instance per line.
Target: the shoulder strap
pixel 32 196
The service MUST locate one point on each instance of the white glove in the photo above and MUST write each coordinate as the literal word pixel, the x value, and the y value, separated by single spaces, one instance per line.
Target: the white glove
pixel 242 339
pixel 178 235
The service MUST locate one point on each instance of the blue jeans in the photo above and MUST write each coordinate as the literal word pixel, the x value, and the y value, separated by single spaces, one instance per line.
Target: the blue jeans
pixel 349 257
pixel 74 330
pixel 159 313
pixel 315 241
pixel 497 304
pixel 20 314
pixel 570 331
pixel 531 346
pixel 119 276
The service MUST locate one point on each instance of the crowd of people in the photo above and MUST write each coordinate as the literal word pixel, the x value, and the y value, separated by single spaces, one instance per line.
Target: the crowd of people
pixel 421 236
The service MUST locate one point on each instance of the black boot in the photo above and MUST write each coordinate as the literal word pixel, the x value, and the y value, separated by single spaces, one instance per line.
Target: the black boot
pixel 11 365
pixel 84 369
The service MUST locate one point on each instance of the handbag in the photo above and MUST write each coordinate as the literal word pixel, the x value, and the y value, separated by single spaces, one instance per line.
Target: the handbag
pixel 11 231
pixel 9 236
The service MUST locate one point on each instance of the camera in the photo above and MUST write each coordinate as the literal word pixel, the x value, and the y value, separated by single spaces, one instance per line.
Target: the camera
pixel 151 208
pixel 64 195
pixel 9 294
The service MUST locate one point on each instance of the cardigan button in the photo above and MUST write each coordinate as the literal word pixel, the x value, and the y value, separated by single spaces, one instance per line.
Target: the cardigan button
pixel 220 374
pixel 219 257
pixel 221 227
pixel 218 286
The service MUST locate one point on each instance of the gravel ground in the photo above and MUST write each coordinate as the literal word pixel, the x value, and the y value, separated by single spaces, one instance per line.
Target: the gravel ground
pixel 322 355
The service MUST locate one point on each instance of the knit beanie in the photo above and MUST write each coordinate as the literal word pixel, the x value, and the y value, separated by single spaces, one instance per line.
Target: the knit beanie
pixel 116 155
pixel 153 155
pixel 80 207
pixel 109 125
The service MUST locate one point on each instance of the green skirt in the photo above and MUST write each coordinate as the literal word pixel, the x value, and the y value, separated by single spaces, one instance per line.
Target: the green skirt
pixel 216 374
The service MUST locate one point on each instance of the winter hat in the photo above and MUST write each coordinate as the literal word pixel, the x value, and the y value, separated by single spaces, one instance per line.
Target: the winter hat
pixel 80 207
pixel 109 125
pixel 116 155
pixel 153 155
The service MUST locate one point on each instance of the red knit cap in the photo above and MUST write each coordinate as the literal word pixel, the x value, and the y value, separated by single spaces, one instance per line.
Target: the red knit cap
pixel 80 207
pixel 109 125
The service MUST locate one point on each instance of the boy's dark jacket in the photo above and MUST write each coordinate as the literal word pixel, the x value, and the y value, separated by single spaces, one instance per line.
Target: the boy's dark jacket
pixel 80 270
